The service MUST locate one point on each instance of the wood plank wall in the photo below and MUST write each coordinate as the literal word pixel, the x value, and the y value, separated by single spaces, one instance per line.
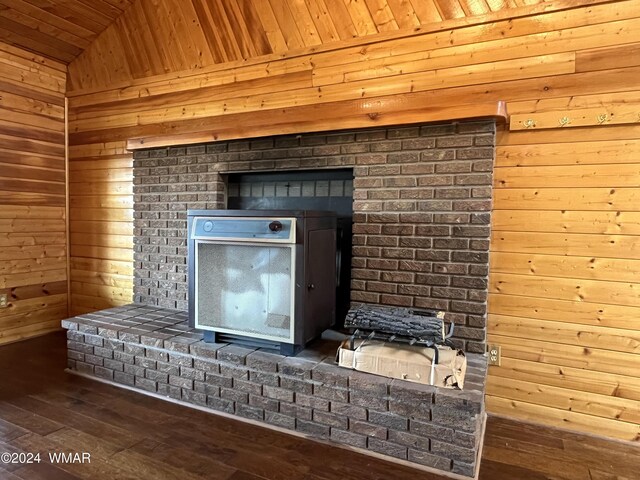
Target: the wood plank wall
pixel 564 285
pixel 33 256
pixel 100 226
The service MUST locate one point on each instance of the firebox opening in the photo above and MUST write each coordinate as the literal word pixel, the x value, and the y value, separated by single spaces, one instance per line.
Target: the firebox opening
pixel 330 190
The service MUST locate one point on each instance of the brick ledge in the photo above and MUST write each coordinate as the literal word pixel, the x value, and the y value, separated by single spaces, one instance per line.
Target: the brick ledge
pixel 152 349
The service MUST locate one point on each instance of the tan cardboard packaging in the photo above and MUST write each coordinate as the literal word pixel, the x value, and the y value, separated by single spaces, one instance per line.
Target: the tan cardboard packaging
pixel 406 362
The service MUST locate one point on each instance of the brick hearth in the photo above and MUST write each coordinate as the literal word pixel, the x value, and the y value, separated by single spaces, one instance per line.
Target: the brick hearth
pixel 153 350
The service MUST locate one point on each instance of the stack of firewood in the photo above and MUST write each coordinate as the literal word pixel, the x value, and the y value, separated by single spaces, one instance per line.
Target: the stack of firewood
pixel 397 324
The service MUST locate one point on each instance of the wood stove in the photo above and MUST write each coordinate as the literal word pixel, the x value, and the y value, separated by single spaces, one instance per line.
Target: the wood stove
pixel 263 278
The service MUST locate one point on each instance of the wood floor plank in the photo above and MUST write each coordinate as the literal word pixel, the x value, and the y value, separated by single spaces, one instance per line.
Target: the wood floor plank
pixel 44 471
pixel 9 431
pixel 184 458
pixel 31 422
pixel 244 476
pixel 78 421
pixel 96 469
pixel 552 469
pixel 7 475
pixel 598 475
pixel 495 470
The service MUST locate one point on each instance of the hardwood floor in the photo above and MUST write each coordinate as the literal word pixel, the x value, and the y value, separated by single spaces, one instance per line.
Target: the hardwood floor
pixel 131 436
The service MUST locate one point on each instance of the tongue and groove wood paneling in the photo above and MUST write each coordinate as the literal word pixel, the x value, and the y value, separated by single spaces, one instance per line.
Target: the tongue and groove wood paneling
pixel 100 226
pixel 33 252
pixel 57 29
pixel 564 297
pixel 161 36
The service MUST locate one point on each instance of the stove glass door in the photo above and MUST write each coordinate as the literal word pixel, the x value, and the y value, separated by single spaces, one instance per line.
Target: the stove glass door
pixel 245 289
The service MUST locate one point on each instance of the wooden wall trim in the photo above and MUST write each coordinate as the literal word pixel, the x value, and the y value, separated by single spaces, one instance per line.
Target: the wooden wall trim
pixel 66 200
pixel 380 112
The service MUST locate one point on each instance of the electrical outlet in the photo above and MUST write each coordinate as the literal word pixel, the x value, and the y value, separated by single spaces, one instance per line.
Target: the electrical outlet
pixel 494 355
pixel 4 301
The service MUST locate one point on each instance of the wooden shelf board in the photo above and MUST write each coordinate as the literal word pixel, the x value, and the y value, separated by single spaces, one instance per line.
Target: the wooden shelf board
pixel 397 110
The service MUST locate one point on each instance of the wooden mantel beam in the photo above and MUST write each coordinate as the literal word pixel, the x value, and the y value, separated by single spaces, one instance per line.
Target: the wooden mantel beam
pixel 406 109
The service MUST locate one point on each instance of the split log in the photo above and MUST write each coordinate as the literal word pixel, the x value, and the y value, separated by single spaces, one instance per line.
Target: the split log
pixel 396 321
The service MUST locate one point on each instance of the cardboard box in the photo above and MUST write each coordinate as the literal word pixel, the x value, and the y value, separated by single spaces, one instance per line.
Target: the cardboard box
pixel 406 362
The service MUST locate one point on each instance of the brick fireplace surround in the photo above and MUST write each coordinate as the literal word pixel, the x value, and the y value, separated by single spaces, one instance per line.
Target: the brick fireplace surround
pixel 422 203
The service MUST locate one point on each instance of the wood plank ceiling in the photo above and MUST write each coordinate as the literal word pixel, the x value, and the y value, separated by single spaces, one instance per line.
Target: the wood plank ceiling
pixel 184 34
pixel 58 29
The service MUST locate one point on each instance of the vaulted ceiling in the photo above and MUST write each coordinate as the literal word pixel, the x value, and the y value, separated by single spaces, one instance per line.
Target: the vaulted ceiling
pixel 158 36
pixel 58 29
